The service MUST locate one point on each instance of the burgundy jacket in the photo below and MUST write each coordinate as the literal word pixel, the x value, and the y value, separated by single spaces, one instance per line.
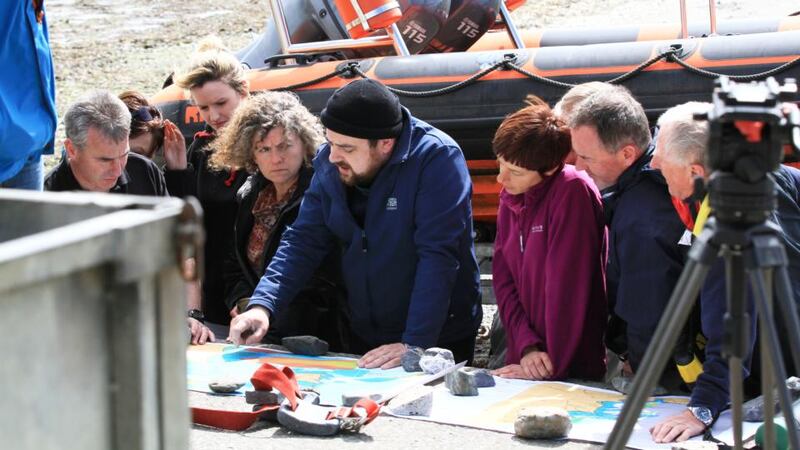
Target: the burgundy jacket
pixel 549 273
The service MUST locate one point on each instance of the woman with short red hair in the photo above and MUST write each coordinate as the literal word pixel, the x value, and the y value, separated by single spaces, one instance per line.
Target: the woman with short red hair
pixel 550 253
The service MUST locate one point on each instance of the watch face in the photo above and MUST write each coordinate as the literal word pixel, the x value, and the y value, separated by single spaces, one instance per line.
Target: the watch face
pixel 702 414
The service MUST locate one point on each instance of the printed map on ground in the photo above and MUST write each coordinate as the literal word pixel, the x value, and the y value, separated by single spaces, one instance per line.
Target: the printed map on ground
pixel 593 411
pixel 329 376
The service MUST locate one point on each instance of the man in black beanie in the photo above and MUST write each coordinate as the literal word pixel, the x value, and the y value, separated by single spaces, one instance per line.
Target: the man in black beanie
pixel 394 194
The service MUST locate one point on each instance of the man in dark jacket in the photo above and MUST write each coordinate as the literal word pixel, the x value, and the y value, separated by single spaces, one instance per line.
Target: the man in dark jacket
pixel 394 194
pixel 98 157
pixel 681 155
pixel 611 137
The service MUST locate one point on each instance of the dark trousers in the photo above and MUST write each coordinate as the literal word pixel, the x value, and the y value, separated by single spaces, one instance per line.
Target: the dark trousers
pixel 463 349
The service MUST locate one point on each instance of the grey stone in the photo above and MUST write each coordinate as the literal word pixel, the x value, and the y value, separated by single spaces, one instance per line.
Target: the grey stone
pixel 461 382
pixel 305 345
pixel 417 401
pixel 753 410
pixel 225 386
pixel 625 384
pixel 350 399
pixel 542 423
pixel 410 359
pixel 482 377
pixel 435 360
pixel 263 397
pixel 307 419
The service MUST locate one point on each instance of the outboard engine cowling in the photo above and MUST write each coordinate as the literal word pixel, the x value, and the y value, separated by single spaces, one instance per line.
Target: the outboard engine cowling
pixel 421 22
pixel 467 22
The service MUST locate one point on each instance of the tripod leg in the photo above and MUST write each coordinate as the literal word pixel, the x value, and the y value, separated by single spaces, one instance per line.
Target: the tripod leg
pixel 767 321
pixel 767 377
pixel 736 336
pixel 783 293
pixel 660 349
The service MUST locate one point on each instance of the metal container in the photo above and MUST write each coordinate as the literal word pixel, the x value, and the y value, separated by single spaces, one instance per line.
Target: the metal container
pixel 93 322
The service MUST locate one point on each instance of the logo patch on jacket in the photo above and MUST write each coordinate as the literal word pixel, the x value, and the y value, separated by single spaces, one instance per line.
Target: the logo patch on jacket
pixel 391 204
pixel 537 229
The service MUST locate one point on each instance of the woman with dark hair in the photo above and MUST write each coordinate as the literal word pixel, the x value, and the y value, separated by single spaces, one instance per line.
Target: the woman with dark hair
pixel 550 253
pixel 274 137
pixel 147 126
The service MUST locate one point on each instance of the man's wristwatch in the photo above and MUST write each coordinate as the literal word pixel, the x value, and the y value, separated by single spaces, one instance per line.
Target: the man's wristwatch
pixel 702 414
pixel 197 315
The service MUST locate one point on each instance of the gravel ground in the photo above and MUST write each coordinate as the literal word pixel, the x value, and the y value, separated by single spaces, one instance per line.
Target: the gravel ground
pixel 119 45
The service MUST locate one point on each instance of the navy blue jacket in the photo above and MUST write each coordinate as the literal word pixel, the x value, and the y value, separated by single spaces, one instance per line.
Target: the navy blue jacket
pixel 411 273
pixel 711 389
pixel 644 259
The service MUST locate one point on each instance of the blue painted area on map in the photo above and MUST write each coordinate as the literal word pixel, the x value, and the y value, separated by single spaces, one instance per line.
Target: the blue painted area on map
pixel 610 410
pixel 233 353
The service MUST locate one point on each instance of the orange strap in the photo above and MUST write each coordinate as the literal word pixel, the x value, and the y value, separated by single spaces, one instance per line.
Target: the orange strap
pixel 265 378
pixel 343 412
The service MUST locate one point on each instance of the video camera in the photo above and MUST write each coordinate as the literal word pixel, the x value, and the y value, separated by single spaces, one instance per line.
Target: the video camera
pixel 752 129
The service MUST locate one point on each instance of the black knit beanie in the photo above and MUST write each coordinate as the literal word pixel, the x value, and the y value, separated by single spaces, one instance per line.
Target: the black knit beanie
pixel 363 109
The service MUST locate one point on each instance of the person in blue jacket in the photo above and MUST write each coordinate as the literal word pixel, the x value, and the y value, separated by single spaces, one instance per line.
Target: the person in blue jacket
pixel 394 194
pixel 27 94
pixel 681 155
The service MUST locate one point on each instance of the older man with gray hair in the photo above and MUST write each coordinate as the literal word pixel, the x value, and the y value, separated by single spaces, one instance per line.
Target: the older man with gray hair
pixel 98 157
pixel 681 155
pixel 611 138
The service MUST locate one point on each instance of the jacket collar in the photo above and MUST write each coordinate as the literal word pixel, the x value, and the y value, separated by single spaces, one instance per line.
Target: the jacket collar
pixel 402 146
pixel 68 182
pixel 528 199
pixel 637 171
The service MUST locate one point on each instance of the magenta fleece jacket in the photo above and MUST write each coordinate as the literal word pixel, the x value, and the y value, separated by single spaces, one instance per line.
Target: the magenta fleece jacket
pixel 549 273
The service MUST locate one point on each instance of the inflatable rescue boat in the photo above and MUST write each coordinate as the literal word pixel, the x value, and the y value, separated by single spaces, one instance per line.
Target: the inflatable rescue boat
pixel 462 65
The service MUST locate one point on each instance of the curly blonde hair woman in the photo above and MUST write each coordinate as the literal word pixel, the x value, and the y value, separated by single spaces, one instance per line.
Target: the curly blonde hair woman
pixel 274 137
pixel 254 119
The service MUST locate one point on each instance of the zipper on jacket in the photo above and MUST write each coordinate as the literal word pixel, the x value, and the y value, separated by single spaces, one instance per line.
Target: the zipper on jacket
pixel 364 241
pixel 521 249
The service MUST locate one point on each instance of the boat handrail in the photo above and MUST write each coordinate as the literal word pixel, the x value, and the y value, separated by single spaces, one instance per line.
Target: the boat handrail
pixel 712 17
pixel 392 39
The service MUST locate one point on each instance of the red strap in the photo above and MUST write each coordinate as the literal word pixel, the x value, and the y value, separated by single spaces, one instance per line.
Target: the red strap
pixel 268 376
pixel 265 378
pixel 228 420
pixel 684 212
pixel 342 412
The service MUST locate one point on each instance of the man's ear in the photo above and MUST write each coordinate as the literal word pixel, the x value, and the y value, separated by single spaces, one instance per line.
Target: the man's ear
pixel 71 150
pixel 385 146
pixel 629 153
pixel 697 170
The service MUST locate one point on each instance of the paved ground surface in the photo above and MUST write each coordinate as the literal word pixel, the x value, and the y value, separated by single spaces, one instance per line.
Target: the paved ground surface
pixel 384 432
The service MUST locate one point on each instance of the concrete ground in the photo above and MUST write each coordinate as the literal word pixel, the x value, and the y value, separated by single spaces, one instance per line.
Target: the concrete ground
pixel 385 432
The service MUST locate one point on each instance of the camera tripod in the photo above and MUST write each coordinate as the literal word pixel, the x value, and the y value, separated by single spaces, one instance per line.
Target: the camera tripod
pixel 750 244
